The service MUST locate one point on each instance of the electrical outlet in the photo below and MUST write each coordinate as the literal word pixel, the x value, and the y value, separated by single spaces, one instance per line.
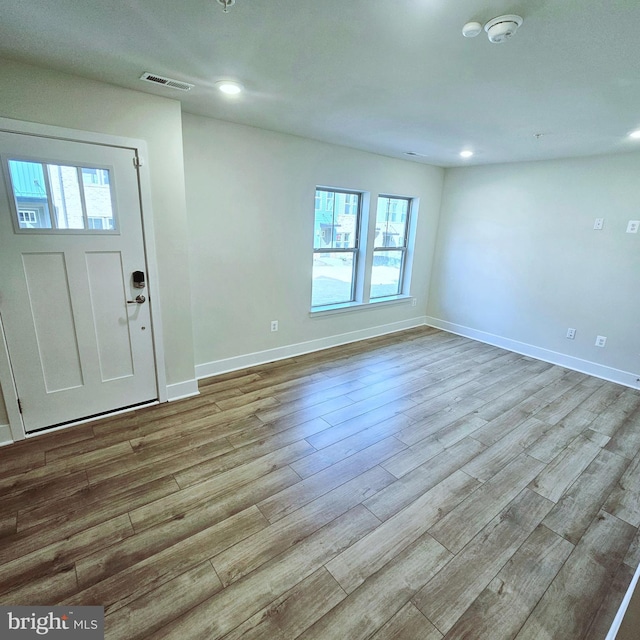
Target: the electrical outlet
pixel 414 302
pixel 598 224
pixel 571 334
pixel 274 325
pixel 633 226
pixel 601 341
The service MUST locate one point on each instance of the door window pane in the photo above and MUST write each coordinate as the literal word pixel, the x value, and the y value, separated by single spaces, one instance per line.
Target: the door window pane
pixel 61 197
pixel 65 194
pixel 97 196
pixel 30 194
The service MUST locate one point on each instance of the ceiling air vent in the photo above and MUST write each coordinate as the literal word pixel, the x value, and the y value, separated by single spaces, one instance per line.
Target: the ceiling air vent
pixel 166 82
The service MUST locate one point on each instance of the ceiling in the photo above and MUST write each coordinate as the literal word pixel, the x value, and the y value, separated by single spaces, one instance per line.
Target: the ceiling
pixel 384 76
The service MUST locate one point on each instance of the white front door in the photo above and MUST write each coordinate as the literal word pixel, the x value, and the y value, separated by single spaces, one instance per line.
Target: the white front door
pixel 77 328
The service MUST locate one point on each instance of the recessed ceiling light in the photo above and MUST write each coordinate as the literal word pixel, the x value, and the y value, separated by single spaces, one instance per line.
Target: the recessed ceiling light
pixel 229 87
pixel 466 153
pixel 635 134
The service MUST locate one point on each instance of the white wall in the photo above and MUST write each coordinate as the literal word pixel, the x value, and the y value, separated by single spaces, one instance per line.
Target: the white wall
pixel 38 95
pixel 250 198
pixel 517 258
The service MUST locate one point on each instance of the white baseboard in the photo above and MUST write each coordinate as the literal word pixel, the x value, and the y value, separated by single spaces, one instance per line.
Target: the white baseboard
pixel 620 615
pixel 280 353
pixel 180 390
pixel 5 435
pixel 625 378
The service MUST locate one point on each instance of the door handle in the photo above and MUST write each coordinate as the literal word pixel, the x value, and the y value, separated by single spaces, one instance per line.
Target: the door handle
pixel 139 300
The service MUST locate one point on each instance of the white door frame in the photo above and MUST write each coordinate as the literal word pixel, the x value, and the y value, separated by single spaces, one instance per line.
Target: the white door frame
pixel 139 147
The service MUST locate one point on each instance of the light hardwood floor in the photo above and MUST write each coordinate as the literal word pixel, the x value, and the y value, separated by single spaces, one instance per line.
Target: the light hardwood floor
pixel 414 486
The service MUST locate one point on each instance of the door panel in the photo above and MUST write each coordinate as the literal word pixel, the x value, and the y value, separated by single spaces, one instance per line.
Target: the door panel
pixel 70 238
pixel 47 288
pixel 107 290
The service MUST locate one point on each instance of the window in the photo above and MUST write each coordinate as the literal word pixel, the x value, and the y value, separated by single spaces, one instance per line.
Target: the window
pixel 28 217
pixel 390 246
pixel 335 247
pixel 60 197
pixel 359 258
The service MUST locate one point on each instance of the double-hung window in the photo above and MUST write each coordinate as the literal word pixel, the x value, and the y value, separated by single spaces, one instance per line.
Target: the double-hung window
pixel 390 246
pixel 335 246
pixel 359 258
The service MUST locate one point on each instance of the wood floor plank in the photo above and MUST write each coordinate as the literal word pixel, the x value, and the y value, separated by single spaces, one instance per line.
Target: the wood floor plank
pixel 624 500
pixel 534 394
pixel 457 528
pixel 8 524
pixel 316 462
pixel 452 409
pixel 382 595
pixel 359 423
pixel 226 495
pixel 576 509
pixel 485 465
pixel 259 548
pixel 52 558
pixel 612 417
pixel 91 505
pixel 354 565
pixel 259 461
pixel 562 406
pixel 232 606
pixel 554 441
pixel 130 584
pixel 288 500
pixel 417 482
pixel 72 520
pixel 454 589
pixel 565 468
pixel 293 612
pixel 48 490
pixel 407 624
pixel 426 449
pixel 605 615
pixel 153 610
pixel 626 440
pixel 56 586
pixel 503 607
pixel 569 605
pixel 291 414
pixel 141 559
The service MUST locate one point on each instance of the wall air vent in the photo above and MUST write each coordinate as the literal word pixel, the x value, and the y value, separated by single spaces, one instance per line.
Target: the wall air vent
pixel 166 82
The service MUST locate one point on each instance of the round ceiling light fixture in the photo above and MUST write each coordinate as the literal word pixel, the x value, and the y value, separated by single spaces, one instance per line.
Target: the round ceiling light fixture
pixel 502 28
pixel 635 135
pixel 230 87
pixel 471 29
pixel 466 153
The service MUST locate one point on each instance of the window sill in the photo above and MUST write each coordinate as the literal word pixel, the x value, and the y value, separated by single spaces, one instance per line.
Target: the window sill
pixel 332 309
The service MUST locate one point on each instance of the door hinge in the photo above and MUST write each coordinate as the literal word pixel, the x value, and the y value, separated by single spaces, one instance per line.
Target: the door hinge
pixel 137 161
pixel 19 405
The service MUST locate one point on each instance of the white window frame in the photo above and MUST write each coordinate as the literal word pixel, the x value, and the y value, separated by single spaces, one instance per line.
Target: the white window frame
pixel 392 215
pixel 365 253
pixel 355 250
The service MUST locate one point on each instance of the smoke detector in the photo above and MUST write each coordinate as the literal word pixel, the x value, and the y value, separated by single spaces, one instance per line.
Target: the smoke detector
pixel 502 28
